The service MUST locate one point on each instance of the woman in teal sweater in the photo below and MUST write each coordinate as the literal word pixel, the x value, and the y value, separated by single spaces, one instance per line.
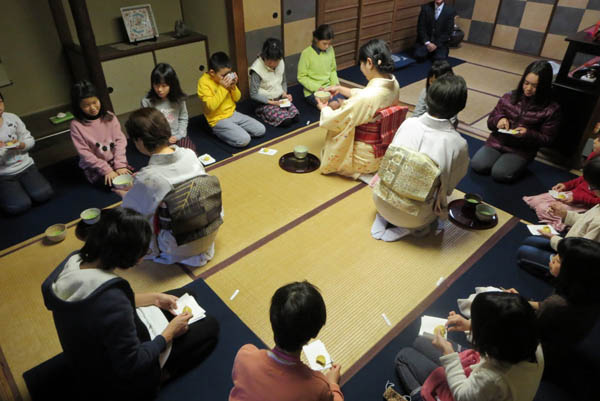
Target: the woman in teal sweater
pixel 317 68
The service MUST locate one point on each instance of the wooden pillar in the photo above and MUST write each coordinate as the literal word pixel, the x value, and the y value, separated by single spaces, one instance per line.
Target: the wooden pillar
pixel 89 49
pixel 237 39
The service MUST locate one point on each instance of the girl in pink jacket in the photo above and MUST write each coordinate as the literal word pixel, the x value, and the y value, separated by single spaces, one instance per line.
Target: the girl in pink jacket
pixel 97 136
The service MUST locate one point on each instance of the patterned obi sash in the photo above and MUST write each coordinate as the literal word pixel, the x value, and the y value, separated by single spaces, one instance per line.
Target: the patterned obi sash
pixel 380 133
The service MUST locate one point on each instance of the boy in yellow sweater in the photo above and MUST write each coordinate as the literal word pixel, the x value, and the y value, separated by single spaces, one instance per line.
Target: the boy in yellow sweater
pixel 218 93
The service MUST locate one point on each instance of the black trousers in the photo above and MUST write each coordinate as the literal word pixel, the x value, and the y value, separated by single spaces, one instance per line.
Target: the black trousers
pixel 421 52
pixel 193 347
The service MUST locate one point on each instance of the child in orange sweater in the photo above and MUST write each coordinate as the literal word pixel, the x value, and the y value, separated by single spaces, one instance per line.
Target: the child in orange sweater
pixel 297 314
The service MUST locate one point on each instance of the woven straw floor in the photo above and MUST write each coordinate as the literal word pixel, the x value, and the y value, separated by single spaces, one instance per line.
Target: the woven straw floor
pixel 279 227
pixel 360 278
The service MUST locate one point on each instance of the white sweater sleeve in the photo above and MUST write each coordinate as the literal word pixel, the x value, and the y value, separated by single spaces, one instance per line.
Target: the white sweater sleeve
pixel 482 385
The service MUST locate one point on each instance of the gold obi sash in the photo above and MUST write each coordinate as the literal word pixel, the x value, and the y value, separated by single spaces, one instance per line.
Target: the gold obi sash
pixel 406 179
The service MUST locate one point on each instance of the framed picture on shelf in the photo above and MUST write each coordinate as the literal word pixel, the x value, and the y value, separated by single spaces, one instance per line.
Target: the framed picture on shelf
pixel 139 22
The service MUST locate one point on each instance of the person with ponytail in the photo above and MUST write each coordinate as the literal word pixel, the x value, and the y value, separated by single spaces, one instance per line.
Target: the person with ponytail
pixel 341 153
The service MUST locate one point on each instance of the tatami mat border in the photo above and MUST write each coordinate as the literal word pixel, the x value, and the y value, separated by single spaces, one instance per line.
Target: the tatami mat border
pixel 270 237
pixel 493 68
pixel 476 121
pixel 419 309
pixel 269 143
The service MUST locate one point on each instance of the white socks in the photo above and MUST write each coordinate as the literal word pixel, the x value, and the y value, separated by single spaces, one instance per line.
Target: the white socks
pixel 378 227
pixel 379 230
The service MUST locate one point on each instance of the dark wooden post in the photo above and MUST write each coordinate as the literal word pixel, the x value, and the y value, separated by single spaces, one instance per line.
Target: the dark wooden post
pixel 237 39
pixel 87 41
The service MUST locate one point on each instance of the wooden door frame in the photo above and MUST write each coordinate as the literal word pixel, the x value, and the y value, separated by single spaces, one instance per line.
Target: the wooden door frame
pixel 237 39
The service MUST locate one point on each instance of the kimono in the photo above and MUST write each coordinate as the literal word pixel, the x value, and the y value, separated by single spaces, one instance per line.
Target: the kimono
pixel 341 154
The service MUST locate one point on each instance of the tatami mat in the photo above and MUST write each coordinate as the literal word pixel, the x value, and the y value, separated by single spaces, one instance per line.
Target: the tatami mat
pixel 259 197
pixel 494 58
pixel 486 80
pixel 359 277
pixel 478 104
pixel 410 93
pixel 481 124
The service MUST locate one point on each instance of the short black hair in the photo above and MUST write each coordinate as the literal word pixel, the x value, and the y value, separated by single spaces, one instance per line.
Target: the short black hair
pixel 543 92
pixel 218 61
pixel 446 96
pixel 297 314
pixel 503 327
pixel 272 49
pixel 438 68
pixel 82 90
pixel 149 125
pixel 379 53
pixel 164 73
pixel 579 273
pixel 591 172
pixel 1 96
pixel 119 239
pixel 323 32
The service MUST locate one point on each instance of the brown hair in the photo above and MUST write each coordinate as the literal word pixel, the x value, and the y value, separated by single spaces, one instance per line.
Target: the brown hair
pixel 149 125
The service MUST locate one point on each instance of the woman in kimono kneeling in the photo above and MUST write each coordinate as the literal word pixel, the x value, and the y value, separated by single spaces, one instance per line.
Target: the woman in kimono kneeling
pixel 425 161
pixel 341 153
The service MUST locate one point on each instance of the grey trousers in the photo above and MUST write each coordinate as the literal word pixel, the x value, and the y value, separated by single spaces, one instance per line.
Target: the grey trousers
pixel 414 364
pixel 238 129
pixel 504 167
pixel 18 191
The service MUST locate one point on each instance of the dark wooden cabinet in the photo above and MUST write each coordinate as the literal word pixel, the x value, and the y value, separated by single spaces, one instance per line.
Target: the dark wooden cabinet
pixel 579 100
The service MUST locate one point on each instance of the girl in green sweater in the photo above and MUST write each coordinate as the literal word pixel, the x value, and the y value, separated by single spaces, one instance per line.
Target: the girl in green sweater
pixel 317 68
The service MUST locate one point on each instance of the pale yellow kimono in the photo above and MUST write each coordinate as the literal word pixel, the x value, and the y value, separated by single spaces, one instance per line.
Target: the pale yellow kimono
pixel 341 154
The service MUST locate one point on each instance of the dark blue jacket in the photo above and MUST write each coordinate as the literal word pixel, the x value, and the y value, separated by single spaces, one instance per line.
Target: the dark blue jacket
pixel 436 31
pixel 105 342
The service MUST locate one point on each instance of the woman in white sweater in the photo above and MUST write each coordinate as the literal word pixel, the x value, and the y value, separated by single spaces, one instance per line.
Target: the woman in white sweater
pixel 503 332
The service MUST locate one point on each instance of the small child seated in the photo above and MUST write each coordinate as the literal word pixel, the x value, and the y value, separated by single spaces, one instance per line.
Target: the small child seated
pixel 219 93
pixel 506 362
pixel 165 94
pixel 438 68
pixel 268 86
pixel 317 69
pixel 537 251
pixel 297 314
pixel 577 196
pixel 20 180
pixel 97 136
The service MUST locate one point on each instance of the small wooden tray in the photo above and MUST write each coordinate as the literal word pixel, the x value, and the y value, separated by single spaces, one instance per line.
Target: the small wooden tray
pixel 292 164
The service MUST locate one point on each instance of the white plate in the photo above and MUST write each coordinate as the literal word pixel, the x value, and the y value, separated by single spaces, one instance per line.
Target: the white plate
pixel 206 159
pixel 14 145
pixel 558 195
pixel 508 131
pixel 285 104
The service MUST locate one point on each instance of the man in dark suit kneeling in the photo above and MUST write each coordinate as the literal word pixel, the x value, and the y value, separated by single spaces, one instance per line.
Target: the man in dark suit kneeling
pixel 436 22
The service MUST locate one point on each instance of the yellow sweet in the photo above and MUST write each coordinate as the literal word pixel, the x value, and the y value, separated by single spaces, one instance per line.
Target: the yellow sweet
pixel 187 309
pixel 321 360
pixel 441 330
pixel 546 229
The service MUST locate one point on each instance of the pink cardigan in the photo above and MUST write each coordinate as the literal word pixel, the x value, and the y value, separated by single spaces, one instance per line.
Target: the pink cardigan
pixel 258 377
pixel 101 146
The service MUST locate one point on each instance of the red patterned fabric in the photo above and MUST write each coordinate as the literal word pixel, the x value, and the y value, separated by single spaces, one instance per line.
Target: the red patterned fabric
pixel 380 133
